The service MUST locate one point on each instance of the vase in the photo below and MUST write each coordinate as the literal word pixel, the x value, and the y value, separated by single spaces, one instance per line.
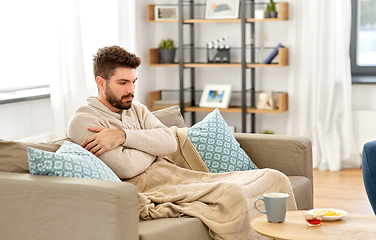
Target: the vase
pixel 167 55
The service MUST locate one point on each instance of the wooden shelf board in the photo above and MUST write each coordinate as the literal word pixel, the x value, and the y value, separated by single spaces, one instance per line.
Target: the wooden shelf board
pixel 233 110
pixel 153 60
pixel 232 20
pixel 260 65
pixel 189 65
pixel 265 20
pixel 197 65
pixel 162 21
pixel 217 20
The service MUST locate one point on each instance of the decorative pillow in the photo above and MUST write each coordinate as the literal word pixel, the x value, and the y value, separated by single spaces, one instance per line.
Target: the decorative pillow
pixel 217 146
pixel 70 160
pixel 170 116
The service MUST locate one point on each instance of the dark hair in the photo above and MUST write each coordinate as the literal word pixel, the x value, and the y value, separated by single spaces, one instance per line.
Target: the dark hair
pixel 108 59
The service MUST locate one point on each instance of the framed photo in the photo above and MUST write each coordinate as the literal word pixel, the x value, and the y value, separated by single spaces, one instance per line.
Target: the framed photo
pixel 165 13
pixel 222 9
pixel 266 101
pixel 216 95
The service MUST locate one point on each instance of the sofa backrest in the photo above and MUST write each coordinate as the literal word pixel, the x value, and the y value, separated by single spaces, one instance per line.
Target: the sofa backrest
pixel 13 154
pixel 170 116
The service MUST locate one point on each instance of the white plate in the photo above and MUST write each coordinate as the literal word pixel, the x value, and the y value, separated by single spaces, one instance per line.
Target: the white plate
pixel 340 213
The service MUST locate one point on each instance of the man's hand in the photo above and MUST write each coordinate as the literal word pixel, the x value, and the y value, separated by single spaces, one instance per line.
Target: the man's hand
pixel 104 140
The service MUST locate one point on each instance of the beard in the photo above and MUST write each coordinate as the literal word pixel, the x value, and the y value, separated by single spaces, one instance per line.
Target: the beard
pixel 118 102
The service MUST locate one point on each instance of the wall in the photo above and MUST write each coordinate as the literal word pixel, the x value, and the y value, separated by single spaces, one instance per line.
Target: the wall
pixel 364 97
pixel 147 80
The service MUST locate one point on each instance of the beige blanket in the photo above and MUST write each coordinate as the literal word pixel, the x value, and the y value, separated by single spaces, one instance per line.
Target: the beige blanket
pixel 224 202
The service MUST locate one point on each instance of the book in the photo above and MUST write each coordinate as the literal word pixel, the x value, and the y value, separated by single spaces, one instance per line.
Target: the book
pixel 272 55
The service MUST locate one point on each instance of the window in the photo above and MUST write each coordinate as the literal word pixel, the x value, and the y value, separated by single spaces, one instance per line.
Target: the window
pixel 30 43
pixel 363 41
pixel 28 46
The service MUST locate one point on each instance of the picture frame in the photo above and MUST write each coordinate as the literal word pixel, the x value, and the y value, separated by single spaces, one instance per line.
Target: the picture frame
pixel 266 101
pixel 222 9
pixel 163 12
pixel 216 96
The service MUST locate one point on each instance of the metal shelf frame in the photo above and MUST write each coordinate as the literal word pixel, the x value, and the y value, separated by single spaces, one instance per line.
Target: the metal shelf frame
pixel 244 67
pixel 245 21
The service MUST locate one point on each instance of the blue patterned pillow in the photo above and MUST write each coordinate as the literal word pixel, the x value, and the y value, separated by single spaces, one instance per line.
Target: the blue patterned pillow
pixel 70 160
pixel 217 146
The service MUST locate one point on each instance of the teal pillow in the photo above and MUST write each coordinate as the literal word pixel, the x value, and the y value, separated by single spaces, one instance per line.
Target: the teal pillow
pixel 217 146
pixel 70 160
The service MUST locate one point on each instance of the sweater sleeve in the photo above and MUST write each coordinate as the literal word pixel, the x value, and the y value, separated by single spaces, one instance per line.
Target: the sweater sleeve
pixel 124 161
pixel 155 138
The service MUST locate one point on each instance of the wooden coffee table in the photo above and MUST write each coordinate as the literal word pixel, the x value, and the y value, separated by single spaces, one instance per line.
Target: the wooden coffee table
pixel 352 226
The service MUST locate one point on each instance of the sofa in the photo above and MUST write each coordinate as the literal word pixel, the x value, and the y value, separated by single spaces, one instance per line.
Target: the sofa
pixel 49 207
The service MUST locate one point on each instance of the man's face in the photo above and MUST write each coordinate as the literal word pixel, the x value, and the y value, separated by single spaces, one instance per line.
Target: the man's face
pixel 119 89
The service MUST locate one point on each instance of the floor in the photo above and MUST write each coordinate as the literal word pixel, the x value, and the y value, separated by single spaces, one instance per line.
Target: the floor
pixel 341 190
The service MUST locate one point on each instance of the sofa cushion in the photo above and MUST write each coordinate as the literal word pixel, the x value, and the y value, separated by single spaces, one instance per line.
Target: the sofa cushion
pixel 217 146
pixel 170 116
pixel 70 160
pixel 174 228
pixel 13 155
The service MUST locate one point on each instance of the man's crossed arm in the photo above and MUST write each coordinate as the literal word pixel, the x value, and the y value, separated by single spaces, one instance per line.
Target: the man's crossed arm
pixel 104 140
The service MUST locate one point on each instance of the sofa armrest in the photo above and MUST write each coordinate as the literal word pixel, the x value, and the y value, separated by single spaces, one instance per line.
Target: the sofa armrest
pixel 291 155
pixel 47 207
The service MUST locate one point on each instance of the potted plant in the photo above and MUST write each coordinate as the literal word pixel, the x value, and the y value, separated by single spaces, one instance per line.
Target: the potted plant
pixel 267 12
pixel 166 51
pixel 273 11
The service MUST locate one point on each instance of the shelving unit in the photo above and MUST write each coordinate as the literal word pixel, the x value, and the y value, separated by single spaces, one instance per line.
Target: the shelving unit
pixel 244 109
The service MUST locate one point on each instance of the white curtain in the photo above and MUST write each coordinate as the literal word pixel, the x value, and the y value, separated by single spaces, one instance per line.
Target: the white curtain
pixel 320 81
pixel 84 27
pixel 68 89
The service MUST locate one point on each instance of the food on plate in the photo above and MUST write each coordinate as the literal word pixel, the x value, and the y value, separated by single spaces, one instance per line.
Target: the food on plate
pixel 333 213
pixel 328 212
pixel 320 212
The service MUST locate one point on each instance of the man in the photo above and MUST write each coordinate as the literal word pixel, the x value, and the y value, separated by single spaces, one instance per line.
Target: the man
pixel 116 121
pixel 133 143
